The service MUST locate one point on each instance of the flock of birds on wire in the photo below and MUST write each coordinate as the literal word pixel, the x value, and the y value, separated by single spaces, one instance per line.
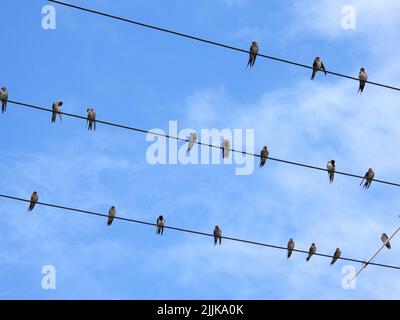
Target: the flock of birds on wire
pixel 331 166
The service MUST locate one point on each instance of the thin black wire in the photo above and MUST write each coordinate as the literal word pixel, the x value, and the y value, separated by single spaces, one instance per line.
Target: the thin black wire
pixel 201 143
pixel 194 232
pixel 213 42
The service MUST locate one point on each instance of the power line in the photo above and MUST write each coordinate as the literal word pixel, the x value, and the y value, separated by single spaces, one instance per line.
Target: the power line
pixel 201 143
pixel 193 231
pixel 213 42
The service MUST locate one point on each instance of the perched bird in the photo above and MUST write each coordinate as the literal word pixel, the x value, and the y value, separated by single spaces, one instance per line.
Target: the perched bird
pixel 34 199
pixel 160 225
pixel 4 98
pixel 312 250
pixel 253 54
pixel 331 170
pixel 217 235
pixel 111 215
pixel 264 155
pixel 336 256
pixel 317 65
pixel 56 110
pixel 369 176
pixel 290 247
pixel 192 140
pixel 226 145
pixel 363 76
pixel 384 238
pixel 91 119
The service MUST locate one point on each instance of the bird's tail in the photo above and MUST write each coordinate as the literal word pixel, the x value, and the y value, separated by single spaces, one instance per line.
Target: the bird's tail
pixel 308 258
pixel 289 254
pixel 109 222
pixel 332 262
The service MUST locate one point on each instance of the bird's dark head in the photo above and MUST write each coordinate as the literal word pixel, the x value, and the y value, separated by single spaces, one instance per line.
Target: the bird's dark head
pixel 161 217
pixel 333 162
pixel 318 58
pixel 313 244
pixel 88 109
pixel 60 103
pixel 254 42
pixel 362 70
pixel 4 88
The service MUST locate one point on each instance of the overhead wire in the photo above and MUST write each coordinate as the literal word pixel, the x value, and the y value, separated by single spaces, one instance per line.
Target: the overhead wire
pixel 294 163
pixel 99 214
pixel 215 43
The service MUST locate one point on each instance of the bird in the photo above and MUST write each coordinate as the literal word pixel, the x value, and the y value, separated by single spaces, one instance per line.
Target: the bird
pixel 331 170
pixel 317 65
pixel 34 200
pixel 253 54
pixel 226 145
pixel 336 256
pixel 264 155
pixel 4 98
pixel 368 177
pixel 91 119
pixel 290 247
pixel 56 110
pixel 111 215
pixel 217 235
pixel 363 76
pixel 192 140
pixel 312 250
pixel 385 238
pixel 160 225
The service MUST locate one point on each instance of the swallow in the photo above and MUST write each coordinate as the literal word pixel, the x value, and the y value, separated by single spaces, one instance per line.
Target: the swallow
pixel 91 119
pixel 160 225
pixel 290 247
pixel 317 65
pixel 253 54
pixel 192 140
pixel 368 177
pixel 217 235
pixel 336 256
pixel 111 215
pixel 312 250
pixel 226 145
pixel 384 239
pixel 56 110
pixel 264 156
pixel 331 170
pixel 4 98
pixel 363 76
pixel 34 200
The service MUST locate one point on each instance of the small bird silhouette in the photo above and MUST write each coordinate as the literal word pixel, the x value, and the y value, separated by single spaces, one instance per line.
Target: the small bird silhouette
pixel 312 250
pixel 253 54
pixel 34 200
pixel 111 215
pixel 317 65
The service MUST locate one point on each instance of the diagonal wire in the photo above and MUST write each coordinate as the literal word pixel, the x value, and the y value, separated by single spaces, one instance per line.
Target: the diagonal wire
pixel 201 143
pixel 212 42
pixel 193 231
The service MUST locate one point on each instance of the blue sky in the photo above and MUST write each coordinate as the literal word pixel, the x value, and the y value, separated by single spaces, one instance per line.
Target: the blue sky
pixel 144 78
